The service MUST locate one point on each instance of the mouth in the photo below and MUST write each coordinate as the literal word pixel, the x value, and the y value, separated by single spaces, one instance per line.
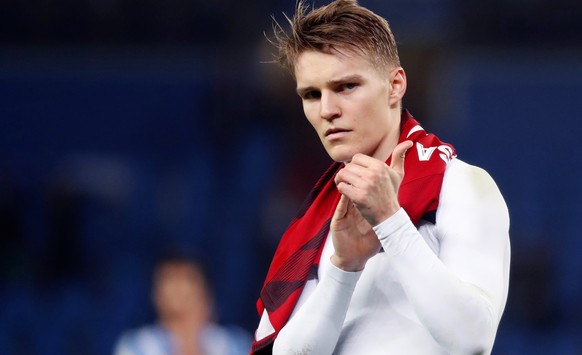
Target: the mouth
pixel 335 133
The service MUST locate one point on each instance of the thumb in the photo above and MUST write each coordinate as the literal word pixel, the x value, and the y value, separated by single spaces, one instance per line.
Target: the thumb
pixel 397 161
pixel 342 207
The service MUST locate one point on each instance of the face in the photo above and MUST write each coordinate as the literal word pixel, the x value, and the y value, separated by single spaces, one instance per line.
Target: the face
pixel 179 291
pixel 353 107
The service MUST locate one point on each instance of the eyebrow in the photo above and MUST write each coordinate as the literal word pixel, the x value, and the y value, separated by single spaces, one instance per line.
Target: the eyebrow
pixel 335 82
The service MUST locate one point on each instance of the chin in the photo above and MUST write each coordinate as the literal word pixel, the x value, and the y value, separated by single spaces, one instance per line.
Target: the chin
pixel 340 157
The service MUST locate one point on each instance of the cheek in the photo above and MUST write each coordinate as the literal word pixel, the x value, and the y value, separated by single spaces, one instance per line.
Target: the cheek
pixel 311 116
pixel 375 112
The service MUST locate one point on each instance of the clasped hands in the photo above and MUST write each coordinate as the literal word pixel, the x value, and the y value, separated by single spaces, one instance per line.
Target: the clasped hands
pixel 369 195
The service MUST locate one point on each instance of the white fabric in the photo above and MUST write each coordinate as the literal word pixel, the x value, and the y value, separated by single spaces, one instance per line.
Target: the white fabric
pixel 265 327
pixel 155 340
pixel 438 289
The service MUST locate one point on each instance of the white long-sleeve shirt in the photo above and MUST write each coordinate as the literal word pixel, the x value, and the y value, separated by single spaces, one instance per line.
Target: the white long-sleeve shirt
pixel 436 289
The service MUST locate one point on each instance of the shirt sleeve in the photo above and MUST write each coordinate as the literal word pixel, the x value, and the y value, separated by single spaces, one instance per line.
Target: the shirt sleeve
pixel 122 346
pixel 459 294
pixel 319 321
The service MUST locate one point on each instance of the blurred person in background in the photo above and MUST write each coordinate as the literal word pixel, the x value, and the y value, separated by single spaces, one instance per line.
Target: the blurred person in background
pixel 183 304
pixel 400 248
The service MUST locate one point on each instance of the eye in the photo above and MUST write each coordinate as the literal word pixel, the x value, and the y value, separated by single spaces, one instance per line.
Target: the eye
pixel 348 86
pixel 311 95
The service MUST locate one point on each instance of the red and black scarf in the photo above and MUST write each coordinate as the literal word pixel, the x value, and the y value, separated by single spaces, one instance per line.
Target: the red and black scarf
pixel 300 247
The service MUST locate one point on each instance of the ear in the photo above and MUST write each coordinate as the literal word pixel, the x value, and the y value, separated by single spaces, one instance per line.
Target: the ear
pixel 397 86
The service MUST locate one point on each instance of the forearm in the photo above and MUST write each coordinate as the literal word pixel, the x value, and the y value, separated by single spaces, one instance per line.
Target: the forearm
pixel 459 315
pixel 316 327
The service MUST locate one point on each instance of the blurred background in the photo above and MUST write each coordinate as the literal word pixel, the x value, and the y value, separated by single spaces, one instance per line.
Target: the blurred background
pixel 134 128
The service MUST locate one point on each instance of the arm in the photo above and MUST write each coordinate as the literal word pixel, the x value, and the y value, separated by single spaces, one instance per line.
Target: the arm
pixel 316 326
pixel 459 295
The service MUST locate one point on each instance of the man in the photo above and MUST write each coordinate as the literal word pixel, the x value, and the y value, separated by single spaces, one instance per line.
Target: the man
pixel 401 248
pixel 183 305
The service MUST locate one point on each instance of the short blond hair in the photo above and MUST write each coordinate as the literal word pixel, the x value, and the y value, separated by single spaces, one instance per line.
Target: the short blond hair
pixel 342 25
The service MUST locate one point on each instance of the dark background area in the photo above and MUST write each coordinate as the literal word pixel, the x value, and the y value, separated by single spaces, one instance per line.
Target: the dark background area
pixel 130 129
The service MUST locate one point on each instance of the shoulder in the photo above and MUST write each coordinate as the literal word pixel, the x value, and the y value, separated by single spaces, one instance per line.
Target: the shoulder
pixel 152 330
pixel 222 339
pixel 470 194
pixel 134 339
pixel 468 183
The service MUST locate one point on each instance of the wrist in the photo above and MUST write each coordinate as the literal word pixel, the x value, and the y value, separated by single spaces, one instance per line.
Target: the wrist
pixel 389 212
pixel 347 265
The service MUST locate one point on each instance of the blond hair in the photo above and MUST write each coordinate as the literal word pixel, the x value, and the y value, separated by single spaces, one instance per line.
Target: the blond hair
pixel 341 26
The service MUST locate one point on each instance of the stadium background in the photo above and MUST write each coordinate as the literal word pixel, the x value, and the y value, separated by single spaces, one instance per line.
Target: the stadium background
pixel 134 128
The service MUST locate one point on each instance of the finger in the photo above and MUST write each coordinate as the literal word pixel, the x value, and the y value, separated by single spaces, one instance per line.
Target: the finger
pixel 397 162
pixel 347 190
pixel 349 176
pixel 341 208
pixel 363 160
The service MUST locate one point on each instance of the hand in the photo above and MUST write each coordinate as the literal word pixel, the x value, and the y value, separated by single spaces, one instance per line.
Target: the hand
pixel 353 238
pixel 372 185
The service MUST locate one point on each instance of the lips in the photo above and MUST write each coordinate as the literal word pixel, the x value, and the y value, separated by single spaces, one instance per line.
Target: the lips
pixel 335 132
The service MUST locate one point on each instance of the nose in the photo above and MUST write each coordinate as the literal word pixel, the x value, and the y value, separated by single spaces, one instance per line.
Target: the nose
pixel 329 108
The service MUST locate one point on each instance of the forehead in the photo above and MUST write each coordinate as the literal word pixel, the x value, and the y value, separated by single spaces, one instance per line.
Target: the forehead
pixel 172 271
pixel 315 65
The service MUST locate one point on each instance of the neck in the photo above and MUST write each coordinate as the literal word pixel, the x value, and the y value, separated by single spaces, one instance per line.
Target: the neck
pixel 387 145
pixel 186 331
pixel 183 324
